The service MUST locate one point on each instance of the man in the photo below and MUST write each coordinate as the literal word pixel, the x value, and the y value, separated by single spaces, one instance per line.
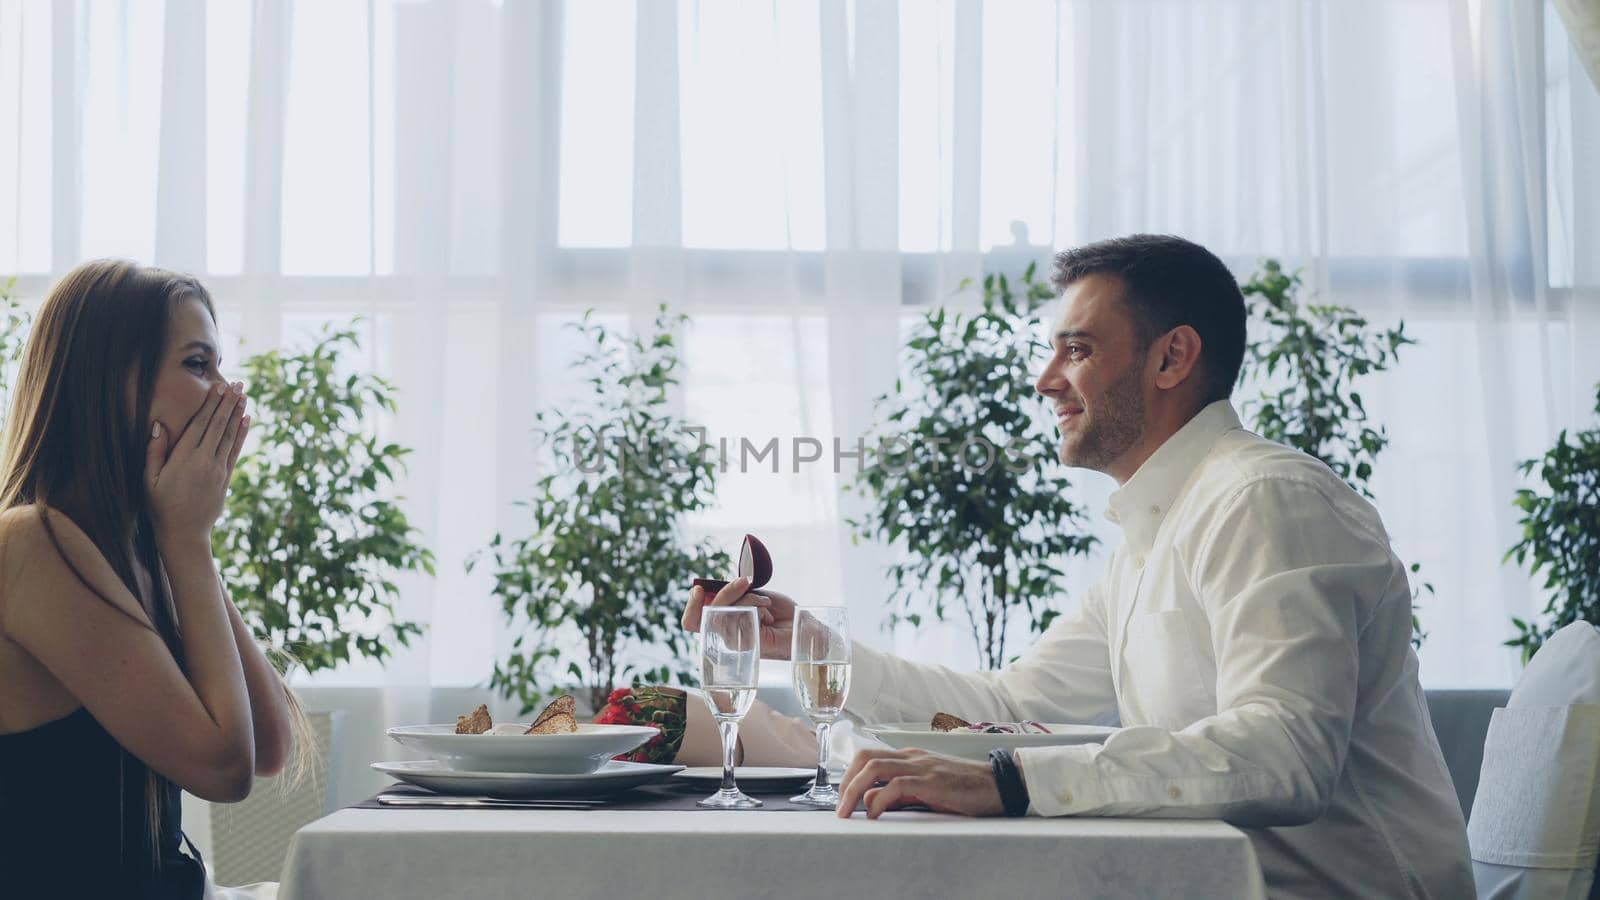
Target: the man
pixel 1251 633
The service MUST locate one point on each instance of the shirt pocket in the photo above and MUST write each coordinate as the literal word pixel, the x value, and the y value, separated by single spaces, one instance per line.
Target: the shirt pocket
pixel 1163 676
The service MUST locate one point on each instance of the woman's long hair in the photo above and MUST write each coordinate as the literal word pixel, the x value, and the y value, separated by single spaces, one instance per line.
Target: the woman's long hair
pixel 77 436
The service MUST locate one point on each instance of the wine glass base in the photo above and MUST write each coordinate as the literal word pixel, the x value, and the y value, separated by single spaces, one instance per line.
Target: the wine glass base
pixel 730 799
pixel 820 796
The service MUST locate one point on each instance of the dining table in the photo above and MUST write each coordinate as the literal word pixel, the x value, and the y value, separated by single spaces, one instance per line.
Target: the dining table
pixel 652 843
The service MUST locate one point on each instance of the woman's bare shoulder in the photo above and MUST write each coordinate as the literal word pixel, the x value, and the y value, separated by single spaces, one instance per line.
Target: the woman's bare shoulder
pixel 44 553
pixel 21 533
pixel 24 532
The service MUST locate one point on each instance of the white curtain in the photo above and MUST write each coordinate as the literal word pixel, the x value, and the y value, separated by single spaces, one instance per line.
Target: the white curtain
pixel 803 178
pixel 1582 19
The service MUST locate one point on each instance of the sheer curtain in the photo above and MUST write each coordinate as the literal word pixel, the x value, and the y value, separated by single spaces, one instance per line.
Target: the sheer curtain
pixel 802 178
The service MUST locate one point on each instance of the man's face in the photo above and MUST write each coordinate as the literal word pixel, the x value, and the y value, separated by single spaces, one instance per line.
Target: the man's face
pixel 1095 377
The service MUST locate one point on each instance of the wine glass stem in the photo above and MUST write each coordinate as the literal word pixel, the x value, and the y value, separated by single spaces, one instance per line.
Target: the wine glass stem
pixel 823 728
pixel 730 740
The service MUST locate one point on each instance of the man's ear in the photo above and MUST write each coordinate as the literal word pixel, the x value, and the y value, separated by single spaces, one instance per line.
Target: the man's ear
pixel 1180 356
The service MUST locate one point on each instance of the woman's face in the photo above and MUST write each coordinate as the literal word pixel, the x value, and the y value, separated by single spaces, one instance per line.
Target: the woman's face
pixel 189 367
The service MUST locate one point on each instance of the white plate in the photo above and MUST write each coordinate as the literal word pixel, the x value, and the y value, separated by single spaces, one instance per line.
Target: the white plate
pixel 755 778
pixel 613 777
pixel 971 745
pixel 550 754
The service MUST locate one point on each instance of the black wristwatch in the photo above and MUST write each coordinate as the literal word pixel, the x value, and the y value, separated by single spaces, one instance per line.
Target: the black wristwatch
pixel 1013 790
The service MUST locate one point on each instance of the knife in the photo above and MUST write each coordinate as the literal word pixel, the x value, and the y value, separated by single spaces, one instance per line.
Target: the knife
pixel 483 802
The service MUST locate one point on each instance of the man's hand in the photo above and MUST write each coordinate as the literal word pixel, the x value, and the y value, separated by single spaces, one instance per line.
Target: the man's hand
pixel 918 778
pixel 775 610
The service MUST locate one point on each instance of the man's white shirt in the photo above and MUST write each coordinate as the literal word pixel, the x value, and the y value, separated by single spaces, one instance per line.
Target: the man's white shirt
pixel 1252 637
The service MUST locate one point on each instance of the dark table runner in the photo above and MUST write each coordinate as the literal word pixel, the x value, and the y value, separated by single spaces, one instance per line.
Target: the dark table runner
pixel 652 796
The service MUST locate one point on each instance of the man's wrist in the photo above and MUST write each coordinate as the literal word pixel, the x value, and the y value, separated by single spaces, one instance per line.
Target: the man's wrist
pixel 1008 780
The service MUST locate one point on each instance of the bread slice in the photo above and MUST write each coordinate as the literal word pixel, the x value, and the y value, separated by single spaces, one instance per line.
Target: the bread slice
pixel 477 723
pixel 560 723
pixel 557 718
pixel 945 722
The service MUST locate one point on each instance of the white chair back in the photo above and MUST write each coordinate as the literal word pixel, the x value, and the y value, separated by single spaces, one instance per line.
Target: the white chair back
pixel 1535 826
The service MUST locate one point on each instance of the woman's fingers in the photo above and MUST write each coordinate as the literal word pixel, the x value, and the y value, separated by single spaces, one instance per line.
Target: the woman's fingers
pixel 195 433
pixel 238 442
pixel 155 454
pixel 217 440
pixel 230 428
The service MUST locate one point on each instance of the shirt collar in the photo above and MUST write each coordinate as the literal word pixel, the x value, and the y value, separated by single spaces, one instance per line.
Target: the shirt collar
pixel 1140 505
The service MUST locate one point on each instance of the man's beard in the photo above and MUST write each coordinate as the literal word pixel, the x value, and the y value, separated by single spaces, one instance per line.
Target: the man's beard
pixel 1114 426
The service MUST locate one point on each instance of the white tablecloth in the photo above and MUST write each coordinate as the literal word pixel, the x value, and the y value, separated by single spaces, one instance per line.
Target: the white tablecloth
pixel 396 854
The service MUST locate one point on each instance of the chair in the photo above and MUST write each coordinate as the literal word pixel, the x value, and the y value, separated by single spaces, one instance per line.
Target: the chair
pixel 1461 722
pixel 250 839
pixel 1535 826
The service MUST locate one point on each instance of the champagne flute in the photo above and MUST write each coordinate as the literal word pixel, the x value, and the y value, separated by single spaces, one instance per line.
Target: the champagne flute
pixel 821 655
pixel 730 650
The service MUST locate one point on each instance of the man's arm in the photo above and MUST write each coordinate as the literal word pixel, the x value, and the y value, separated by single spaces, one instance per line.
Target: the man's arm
pixel 1064 677
pixel 1286 605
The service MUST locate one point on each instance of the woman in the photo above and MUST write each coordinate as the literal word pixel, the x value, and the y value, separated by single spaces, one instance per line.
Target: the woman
pixel 126 673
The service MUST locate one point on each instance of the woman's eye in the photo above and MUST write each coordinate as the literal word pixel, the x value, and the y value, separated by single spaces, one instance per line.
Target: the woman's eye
pixel 197 364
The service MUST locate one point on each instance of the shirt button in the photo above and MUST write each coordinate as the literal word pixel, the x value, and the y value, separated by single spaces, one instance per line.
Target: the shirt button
pixel 1174 791
pixel 1138 561
pixel 1155 510
pixel 1066 796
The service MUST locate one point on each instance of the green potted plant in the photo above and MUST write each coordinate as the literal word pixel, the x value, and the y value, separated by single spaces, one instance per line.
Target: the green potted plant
pixel 308 546
pixel 308 543
pixel 14 324
pixel 985 539
pixel 594 589
pixel 1561 534
pixel 1307 362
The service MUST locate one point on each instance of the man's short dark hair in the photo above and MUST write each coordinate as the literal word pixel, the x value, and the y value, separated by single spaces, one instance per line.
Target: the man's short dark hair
pixel 1168 281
